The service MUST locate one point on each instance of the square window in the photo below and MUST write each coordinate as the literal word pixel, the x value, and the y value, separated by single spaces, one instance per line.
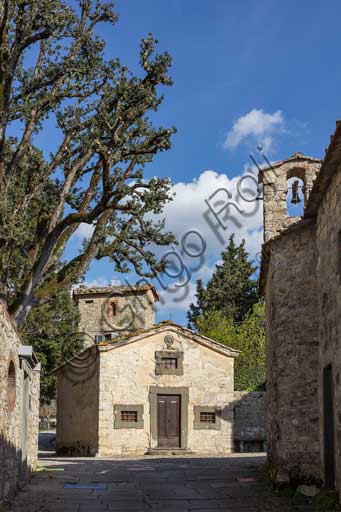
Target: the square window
pixel 207 417
pixel 169 362
pixel 129 416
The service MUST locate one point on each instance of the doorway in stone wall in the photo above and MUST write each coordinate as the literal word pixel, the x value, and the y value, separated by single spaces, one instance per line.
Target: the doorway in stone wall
pixel 168 421
pixel 329 428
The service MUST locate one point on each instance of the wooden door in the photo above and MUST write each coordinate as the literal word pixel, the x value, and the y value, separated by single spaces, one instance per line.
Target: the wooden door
pixel 168 421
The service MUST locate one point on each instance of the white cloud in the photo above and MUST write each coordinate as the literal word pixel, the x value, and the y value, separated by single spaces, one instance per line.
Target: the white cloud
pixel 84 231
pixel 257 125
pixel 189 211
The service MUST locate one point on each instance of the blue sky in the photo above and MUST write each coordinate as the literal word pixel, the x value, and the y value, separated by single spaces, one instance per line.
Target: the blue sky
pixel 245 73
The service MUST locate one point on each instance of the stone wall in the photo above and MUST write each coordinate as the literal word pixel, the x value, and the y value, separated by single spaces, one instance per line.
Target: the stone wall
pixel 249 420
pixel 329 282
pixel 19 404
pixel 78 406
pixel 134 310
pixel 292 329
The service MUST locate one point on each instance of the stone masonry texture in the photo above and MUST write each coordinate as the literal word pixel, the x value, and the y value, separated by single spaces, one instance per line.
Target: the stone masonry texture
pixel 328 246
pixel 292 331
pixel 301 279
pixel 275 187
pixel 249 419
pixel 126 375
pixel 134 308
pixel 19 406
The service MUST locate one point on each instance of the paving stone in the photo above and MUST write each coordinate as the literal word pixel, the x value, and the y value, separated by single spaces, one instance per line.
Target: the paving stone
pixel 207 484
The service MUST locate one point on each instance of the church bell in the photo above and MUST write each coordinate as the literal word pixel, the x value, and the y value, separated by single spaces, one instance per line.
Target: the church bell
pixel 295 196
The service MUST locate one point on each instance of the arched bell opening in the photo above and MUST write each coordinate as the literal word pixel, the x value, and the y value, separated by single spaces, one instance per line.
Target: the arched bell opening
pixel 295 196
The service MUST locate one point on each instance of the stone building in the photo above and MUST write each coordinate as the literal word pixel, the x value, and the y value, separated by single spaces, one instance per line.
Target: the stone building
pixel 19 405
pixel 108 312
pixel 301 280
pixel 161 388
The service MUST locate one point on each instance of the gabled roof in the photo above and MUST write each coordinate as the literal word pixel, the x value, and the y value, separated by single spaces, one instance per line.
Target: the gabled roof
pixel 115 290
pixel 295 158
pixel 166 326
pixel 170 326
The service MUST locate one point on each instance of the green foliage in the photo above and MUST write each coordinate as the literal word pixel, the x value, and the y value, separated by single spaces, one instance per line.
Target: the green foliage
pixel 53 66
pixel 52 330
pixel 248 337
pixel 231 290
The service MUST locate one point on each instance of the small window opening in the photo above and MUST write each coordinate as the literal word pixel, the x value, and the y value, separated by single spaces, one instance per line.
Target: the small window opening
pixel 169 362
pixel 11 386
pixel 207 417
pixel 89 302
pixel 129 416
pixel 113 307
pixel 295 197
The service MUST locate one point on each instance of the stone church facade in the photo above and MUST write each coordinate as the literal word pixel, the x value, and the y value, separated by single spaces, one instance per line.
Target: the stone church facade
pixel 158 388
pixel 301 280
pixel 19 406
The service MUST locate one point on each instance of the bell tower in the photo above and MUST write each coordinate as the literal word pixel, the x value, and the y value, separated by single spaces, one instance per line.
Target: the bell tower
pixel 285 183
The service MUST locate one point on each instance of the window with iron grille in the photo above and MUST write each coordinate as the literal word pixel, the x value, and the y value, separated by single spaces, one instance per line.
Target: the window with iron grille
pixel 129 416
pixel 169 362
pixel 207 417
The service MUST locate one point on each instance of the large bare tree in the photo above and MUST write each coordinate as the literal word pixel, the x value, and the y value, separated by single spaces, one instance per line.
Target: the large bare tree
pixel 90 168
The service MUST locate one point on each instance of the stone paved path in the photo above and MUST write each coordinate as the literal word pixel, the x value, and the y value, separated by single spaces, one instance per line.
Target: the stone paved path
pixel 233 484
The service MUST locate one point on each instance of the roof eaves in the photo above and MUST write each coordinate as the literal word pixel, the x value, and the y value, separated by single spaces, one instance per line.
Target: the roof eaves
pixel 137 335
pixel 107 290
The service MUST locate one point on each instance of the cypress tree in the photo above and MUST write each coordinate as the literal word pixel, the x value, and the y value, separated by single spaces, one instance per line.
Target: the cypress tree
pixel 232 290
